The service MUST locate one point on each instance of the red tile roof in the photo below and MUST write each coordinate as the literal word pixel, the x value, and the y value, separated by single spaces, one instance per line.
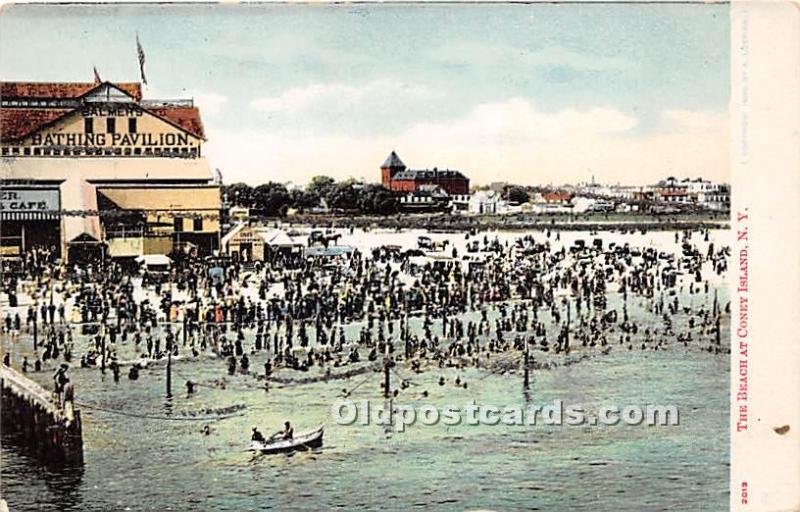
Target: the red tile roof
pixel 186 118
pixel 16 123
pixel 558 196
pixel 61 90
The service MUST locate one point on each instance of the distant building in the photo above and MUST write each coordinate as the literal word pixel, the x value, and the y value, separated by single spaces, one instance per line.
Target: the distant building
pixel 558 197
pixel 429 198
pixel 251 243
pixel 558 201
pixel 460 202
pixel 699 192
pixel 715 196
pixel 486 202
pixel 396 177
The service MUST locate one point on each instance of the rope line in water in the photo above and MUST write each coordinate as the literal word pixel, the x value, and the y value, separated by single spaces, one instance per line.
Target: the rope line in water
pixel 154 417
pixel 397 373
pixel 368 377
pixel 289 382
pixel 201 384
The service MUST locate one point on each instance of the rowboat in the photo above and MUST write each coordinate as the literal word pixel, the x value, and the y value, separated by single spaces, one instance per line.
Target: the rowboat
pixel 300 442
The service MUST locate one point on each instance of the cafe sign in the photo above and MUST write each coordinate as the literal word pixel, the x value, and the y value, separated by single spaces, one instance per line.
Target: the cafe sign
pixel 28 203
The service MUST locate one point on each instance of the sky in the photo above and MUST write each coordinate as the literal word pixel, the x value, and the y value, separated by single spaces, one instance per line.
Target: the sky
pixel 523 93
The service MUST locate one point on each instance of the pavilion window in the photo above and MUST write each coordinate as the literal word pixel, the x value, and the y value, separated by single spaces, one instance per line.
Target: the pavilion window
pixel 197 224
pixel 88 125
pixel 111 125
pixel 177 224
pixel 131 125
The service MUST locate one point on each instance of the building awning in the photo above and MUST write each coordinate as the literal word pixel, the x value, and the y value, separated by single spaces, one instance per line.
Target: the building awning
pixel 165 198
pixel 154 260
pixel 80 178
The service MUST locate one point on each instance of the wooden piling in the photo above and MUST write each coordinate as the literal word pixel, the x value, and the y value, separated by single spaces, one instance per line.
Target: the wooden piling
pixel 49 430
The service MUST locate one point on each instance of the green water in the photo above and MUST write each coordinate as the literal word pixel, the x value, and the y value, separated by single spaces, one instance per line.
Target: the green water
pixel 154 464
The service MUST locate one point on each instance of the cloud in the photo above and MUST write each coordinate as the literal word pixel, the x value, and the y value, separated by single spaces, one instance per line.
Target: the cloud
pixel 330 95
pixel 209 103
pixel 511 140
pixel 699 122
pixel 518 121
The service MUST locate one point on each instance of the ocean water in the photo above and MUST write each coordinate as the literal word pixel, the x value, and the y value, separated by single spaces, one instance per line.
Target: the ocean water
pixel 134 463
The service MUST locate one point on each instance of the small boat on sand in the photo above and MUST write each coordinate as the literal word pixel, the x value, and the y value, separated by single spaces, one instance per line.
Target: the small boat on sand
pixel 300 442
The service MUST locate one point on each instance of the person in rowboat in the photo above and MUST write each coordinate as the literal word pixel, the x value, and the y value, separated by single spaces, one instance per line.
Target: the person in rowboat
pixel 288 431
pixel 257 436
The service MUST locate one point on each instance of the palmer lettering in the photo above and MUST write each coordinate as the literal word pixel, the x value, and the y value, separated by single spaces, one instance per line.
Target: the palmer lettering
pixel 111 111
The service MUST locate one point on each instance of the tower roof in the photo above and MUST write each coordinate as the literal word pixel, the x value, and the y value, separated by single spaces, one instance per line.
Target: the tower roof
pixel 393 161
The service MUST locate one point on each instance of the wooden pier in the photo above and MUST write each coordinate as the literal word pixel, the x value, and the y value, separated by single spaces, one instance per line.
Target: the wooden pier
pixel 47 428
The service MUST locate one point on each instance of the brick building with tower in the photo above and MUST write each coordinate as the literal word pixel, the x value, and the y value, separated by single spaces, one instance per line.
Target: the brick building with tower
pixel 397 178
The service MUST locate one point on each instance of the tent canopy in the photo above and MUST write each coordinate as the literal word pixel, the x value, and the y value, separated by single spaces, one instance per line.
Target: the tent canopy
pixel 154 260
pixel 278 238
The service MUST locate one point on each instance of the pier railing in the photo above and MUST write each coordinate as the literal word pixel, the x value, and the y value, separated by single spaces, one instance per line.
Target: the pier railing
pixel 30 390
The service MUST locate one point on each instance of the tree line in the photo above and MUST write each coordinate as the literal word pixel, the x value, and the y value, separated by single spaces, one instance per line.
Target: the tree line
pixel 323 192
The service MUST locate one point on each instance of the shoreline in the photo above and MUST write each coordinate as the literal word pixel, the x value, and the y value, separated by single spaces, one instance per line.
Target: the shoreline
pixel 456 223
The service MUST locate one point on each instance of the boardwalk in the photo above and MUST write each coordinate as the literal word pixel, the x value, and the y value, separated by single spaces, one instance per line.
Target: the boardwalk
pixel 42 425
